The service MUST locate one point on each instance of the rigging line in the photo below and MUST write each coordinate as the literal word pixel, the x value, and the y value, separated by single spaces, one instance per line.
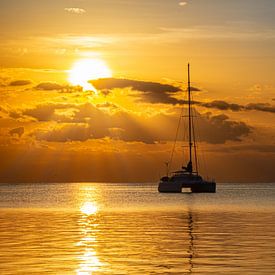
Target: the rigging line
pixel 175 141
pixel 194 138
pixel 185 152
pixel 185 138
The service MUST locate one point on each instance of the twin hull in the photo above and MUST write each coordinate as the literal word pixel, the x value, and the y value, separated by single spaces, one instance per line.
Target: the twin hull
pixel 196 187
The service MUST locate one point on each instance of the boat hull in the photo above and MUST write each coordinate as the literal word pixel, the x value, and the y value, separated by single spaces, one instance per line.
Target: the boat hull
pixel 196 187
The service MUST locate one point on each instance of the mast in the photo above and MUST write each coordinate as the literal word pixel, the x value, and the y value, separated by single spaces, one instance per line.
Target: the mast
pixel 189 166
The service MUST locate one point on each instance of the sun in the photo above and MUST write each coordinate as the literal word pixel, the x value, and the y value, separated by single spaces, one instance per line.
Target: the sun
pixel 88 69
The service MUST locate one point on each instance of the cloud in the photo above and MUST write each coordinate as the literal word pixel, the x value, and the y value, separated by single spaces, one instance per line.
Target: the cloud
pixel 20 83
pixel 144 86
pixel 19 131
pixel 101 123
pixel 43 112
pixel 218 129
pixel 222 105
pixel 94 124
pixel 182 3
pixel 129 127
pixel 152 92
pixel 264 107
pixel 65 133
pixel 49 86
pixel 53 86
pixel 194 89
pixel 75 10
pixel 15 114
pixel 50 112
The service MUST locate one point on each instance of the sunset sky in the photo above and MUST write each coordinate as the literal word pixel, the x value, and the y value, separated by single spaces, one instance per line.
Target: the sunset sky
pixel 59 123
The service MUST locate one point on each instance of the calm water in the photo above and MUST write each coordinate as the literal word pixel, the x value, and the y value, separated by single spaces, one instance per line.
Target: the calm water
pixel 95 228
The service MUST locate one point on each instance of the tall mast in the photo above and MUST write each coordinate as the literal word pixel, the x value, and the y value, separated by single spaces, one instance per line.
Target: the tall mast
pixel 190 122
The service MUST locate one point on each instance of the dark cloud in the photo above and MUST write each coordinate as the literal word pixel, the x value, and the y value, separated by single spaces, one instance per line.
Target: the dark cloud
pixel 53 86
pixel 218 129
pixel 19 131
pixel 144 86
pixel 49 86
pixel 20 83
pixel 264 107
pixel 159 97
pixel 222 105
pixel 194 89
pixel 152 92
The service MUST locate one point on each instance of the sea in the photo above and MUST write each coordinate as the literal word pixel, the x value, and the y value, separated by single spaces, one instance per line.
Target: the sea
pixel 130 228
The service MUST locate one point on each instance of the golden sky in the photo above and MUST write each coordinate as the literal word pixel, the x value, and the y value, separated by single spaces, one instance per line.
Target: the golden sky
pixel 59 123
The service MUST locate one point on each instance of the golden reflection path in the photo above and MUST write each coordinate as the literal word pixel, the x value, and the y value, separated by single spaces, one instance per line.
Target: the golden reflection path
pixel 88 223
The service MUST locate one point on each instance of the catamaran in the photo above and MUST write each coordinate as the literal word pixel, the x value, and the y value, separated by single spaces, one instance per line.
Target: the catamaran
pixel 187 177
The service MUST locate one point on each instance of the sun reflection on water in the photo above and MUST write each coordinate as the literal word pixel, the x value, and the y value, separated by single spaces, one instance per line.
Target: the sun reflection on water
pixel 89 208
pixel 89 261
pixel 88 223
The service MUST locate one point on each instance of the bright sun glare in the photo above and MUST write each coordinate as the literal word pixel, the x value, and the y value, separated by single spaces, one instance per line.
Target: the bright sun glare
pixel 88 69
pixel 89 208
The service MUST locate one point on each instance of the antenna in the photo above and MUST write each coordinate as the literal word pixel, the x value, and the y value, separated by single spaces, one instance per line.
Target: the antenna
pixel 167 167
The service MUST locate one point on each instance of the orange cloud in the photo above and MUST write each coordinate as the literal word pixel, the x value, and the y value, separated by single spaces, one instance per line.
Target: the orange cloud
pixel 182 3
pixel 75 10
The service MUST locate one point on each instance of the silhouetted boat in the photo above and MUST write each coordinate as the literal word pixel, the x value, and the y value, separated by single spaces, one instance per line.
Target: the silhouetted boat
pixel 187 177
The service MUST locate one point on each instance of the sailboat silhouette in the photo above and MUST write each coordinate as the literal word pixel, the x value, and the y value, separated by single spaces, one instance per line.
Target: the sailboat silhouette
pixel 187 177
